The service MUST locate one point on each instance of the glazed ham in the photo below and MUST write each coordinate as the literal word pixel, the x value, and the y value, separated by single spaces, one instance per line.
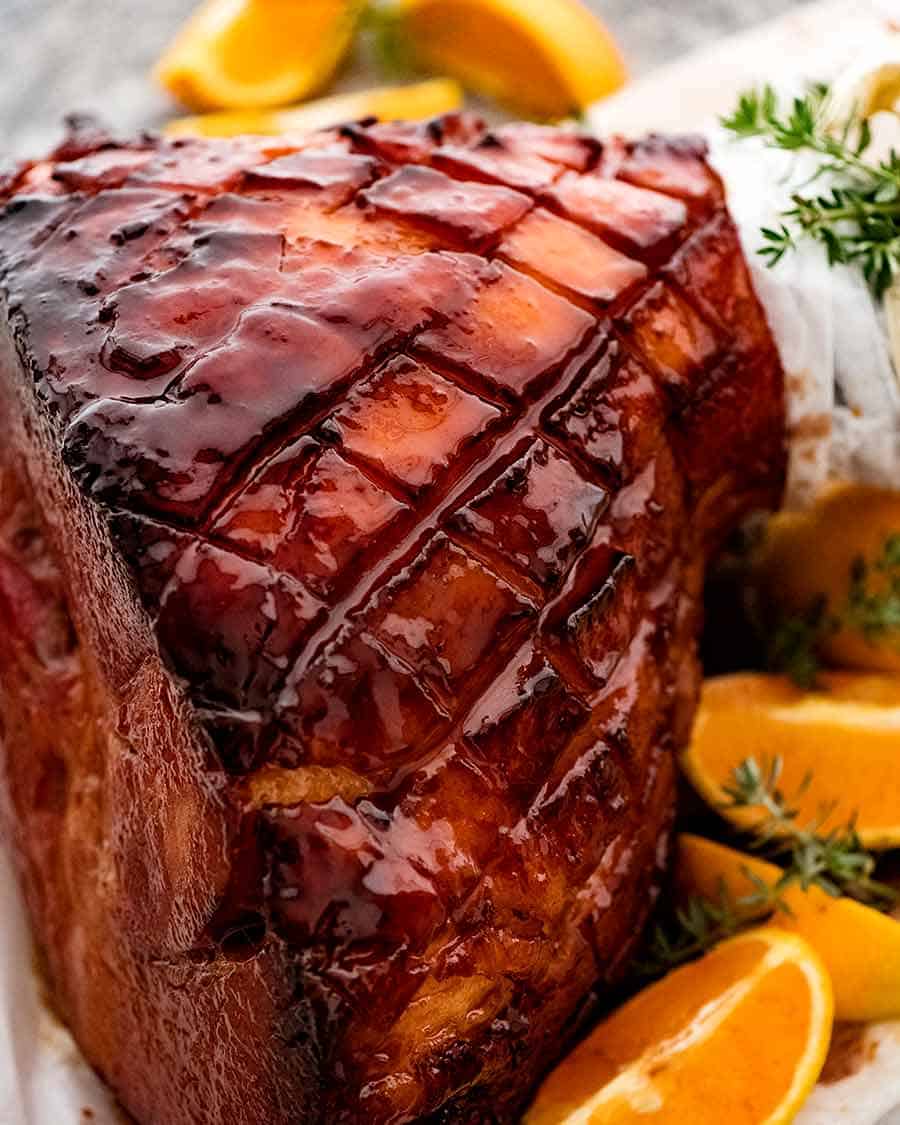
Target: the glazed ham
pixel 356 497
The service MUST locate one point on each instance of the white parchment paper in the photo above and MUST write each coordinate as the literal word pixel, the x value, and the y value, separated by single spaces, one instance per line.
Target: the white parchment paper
pixel 43 1078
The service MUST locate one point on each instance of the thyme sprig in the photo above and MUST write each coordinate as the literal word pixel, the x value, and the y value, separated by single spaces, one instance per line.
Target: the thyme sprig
pixel 872 608
pixel 833 861
pixel 857 218
pixel 876 612
pixel 692 930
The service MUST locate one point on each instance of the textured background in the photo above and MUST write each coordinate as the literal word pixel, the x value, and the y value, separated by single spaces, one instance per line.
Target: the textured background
pixel 63 55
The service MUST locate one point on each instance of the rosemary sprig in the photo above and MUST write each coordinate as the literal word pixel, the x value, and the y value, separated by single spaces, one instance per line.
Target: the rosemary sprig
pixel 872 607
pixel 834 861
pixel 857 219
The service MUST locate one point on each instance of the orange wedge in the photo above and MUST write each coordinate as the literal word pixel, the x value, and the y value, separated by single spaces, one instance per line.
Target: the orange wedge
pixel 543 58
pixel 843 740
pixel 739 1036
pixel 859 946
pixel 246 53
pixel 810 555
pixel 389 103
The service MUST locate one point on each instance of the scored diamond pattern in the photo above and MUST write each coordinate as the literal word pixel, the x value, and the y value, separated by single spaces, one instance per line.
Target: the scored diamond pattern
pixel 409 435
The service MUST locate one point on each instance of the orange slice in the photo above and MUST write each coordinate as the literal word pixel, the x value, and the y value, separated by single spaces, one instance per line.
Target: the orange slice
pixel 859 946
pixel 739 1036
pixel 542 58
pixel 810 555
pixel 843 740
pixel 389 103
pixel 246 53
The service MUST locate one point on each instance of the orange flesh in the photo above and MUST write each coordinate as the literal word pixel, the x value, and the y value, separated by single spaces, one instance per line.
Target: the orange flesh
pixel 724 1081
pixel 263 40
pixel 846 736
pixel 444 36
pixel 722 1039
pixel 847 523
pixel 859 946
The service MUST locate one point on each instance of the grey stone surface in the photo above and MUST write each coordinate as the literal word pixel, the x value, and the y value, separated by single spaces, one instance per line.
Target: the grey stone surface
pixel 62 55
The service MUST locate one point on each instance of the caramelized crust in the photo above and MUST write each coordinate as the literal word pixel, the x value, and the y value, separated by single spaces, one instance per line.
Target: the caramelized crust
pixel 354 512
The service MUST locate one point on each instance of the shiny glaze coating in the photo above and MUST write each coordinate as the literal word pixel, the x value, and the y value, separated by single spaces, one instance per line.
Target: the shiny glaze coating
pixel 353 518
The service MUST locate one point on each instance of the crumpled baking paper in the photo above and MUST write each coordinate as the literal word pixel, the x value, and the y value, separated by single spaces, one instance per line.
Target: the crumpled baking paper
pixel 43 1078
pixel 843 394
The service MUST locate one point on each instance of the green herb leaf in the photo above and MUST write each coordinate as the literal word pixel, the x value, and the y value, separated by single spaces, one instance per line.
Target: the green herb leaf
pixel 872 608
pixel 858 220
pixel 693 929
pixel 833 861
pixel 382 25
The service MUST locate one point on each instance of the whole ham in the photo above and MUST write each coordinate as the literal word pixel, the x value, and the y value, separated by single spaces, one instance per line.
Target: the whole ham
pixel 356 492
